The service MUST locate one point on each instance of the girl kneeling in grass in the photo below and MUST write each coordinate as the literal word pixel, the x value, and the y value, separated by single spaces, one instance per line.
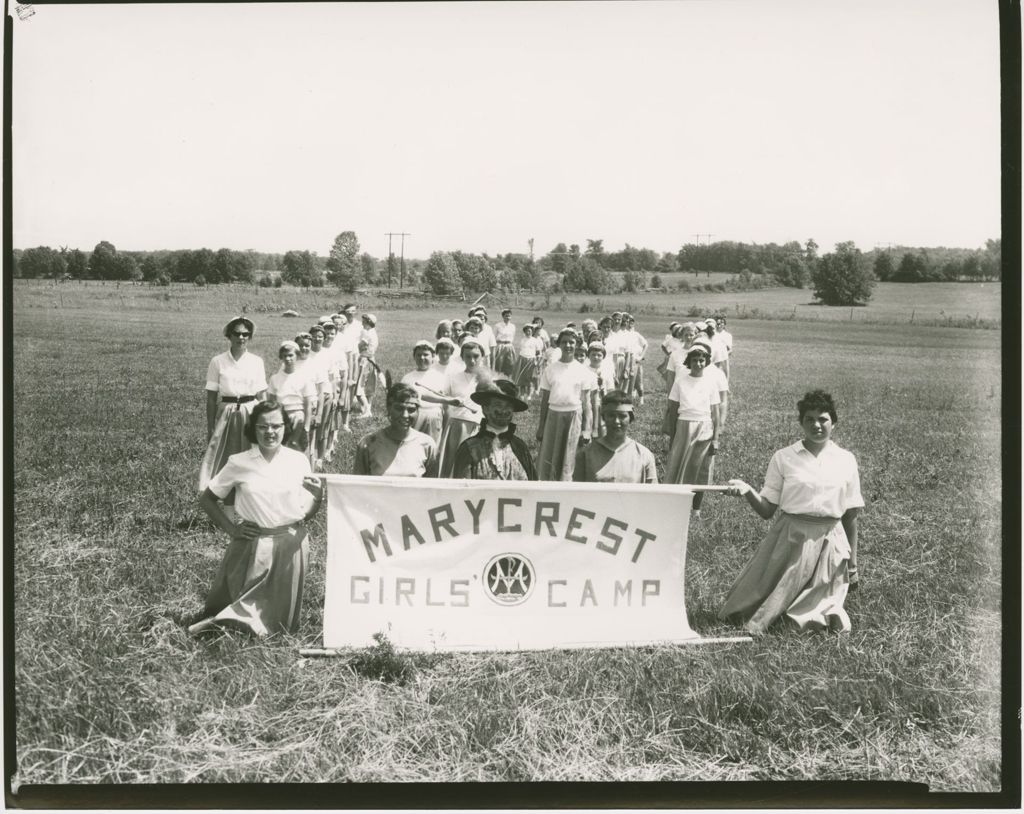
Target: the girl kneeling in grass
pixel 808 562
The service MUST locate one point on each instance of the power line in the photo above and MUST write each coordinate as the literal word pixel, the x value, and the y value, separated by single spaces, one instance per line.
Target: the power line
pixel 391 256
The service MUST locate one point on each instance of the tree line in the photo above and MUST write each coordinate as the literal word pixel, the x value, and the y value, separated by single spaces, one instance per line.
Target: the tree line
pixel 845 276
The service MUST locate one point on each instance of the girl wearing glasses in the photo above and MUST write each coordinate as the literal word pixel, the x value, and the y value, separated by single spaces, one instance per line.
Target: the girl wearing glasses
pixel 235 381
pixel 258 586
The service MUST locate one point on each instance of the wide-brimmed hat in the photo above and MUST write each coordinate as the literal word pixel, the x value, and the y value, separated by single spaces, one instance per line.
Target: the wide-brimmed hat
pixel 245 321
pixel 500 389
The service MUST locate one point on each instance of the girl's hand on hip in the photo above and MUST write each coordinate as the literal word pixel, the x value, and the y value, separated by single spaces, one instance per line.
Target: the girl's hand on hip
pixel 246 531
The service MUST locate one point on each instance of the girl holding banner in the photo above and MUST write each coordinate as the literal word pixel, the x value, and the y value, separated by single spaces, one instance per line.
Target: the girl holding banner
pixel 808 562
pixel 258 587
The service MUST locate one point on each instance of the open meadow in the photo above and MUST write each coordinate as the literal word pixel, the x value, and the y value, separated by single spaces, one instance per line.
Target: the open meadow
pixel 111 552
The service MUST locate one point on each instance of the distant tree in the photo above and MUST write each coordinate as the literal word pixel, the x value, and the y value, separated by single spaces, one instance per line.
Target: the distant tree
pixel 992 260
pixel 971 267
pixel 441 276
pixel 884 267
pixel 668 263
pixel 633 281
pixel 368 268
pixel 151 267
pixel 299 268
pixel 41 262
pixel 557 258
pixel 791 270
pixel 343 267
pixel 810 251
pixel 843 277
pixel 913 268
pixel 587 275
pixel 77 264
pixel 595 248
pixel 125 268
pixel 574 250
pixel 101 263
pixel 655 281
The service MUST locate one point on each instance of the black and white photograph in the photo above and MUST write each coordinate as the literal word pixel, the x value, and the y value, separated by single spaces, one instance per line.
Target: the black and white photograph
pixel 585 403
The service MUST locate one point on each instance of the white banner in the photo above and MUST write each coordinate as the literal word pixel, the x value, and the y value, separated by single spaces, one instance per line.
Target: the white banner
pixel 504 565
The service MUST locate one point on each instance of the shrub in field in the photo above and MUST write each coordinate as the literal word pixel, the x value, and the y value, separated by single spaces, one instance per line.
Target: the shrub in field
pixel 162 279
pixel 843 277
pixel 266 282
pixel 656 281
pixel 278 282
pixel 200 281
pixel 683 285
pixel 383 663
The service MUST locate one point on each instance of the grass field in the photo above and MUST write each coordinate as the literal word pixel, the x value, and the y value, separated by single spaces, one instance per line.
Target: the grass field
pixel 110 553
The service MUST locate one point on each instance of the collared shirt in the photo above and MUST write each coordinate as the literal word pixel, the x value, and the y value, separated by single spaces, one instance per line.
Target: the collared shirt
pixel 719 353
pixel 460 384
pixel 566 382
pixel 530 347
pixel 486 456
pixel 268 493
pixel 695 395
pixel 290 389
pixel 597 462
pixel 505 332
pixel 822 485
pixel 415 456
pixel 246 377
pixel 369 335
pixel 726 340
pixel 431 378
pixel 486 337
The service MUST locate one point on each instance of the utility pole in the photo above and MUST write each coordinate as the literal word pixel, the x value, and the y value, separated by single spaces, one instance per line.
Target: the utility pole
pixel 391 256
pixel 401 278
pixel 696 235
pixel 530 241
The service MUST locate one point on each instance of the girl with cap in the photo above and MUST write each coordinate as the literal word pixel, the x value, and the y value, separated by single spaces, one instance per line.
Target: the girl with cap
pixel 669 345
pixel 691 422
pixel 463 414
pixel 258 586
pixel 295 392
pixel 540 333
pixel 719 355
pixel 398 450
pixel 603 373
pixel 337 418
pixel 486 335
pixel 366 380
pixel 565 403
pixel 235 381
pixel 458 332
pixel 807 563
pixel 325 395
pixel 505 353
pixel 372 340
pixel 707 470
pixel 495 452
pixel 309 364
pixel 429 383
pixel 474 327
pixel 528 369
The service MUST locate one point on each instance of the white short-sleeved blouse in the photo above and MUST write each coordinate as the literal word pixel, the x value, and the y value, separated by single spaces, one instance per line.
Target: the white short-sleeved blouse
pixel 826 485
pixel 269 493
pixel 228 377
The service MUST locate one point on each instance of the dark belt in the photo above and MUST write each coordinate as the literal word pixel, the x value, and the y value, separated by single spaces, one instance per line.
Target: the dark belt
pixel 237 399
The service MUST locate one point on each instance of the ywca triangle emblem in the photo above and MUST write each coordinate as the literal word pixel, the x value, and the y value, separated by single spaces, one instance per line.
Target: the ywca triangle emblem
pixel 509 578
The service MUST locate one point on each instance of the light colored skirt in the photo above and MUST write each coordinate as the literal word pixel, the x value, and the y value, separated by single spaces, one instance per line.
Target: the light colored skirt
pixel 800 570
pixel 526 373
pixel 557 457
pixel 258 586
pixel 686 456
pixel 342 401
pixel 505 357
pixel 430 423
pixel 625 372
pixel 455 432
pixel 227 439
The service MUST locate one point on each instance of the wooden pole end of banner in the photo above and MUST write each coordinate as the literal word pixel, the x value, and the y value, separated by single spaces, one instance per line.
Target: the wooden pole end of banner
pixel 319 651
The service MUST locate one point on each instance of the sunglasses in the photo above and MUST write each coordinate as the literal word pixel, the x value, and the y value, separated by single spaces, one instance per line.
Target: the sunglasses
pixel 239 333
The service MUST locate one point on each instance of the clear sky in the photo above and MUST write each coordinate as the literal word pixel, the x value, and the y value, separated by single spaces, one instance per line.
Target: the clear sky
pixel 478 126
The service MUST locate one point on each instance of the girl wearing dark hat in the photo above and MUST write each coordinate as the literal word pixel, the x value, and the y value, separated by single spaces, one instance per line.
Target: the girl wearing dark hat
pixel 235 381
pixel 495 452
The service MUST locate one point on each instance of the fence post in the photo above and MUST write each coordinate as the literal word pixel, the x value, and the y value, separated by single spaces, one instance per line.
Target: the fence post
pixel 913 311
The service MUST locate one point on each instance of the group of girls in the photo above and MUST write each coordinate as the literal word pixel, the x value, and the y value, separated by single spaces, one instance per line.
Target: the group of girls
pixel 801 572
